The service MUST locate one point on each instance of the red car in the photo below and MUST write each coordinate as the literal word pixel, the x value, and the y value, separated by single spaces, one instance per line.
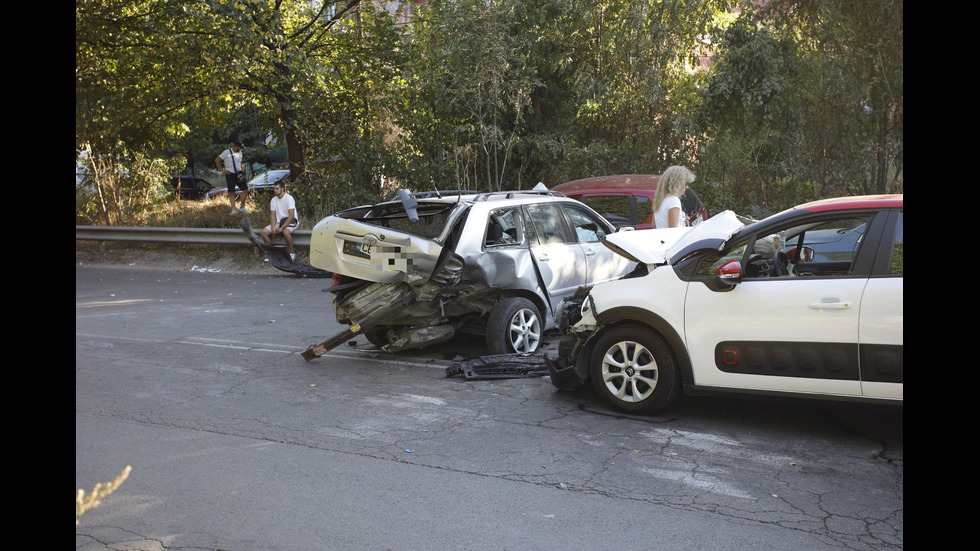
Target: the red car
pixel 627 199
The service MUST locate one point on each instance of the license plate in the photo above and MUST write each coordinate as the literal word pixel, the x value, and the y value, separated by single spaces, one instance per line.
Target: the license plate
pixel 360 250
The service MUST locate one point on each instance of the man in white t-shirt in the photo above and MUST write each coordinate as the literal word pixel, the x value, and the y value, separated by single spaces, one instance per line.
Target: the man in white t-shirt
pixel 229 162
pixel 283 219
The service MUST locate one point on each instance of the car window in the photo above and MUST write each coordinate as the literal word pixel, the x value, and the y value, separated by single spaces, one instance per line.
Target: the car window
pixel 549 224
pixel 504 228
pixel 587 228
pixel 826 247
pixel 644 209
pixel 896 265
pixel 709 264
pixel 615 208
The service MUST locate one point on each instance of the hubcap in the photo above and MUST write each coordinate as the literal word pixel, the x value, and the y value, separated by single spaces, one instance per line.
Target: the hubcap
pixel 629 371
pixel 525 331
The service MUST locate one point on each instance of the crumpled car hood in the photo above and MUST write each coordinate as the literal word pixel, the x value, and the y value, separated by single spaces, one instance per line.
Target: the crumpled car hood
pixel 645 246
pixel 657 246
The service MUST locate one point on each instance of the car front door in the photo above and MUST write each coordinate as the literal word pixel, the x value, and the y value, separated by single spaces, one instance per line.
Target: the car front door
pixel 603 264
pixel 560 260
pixel 789 329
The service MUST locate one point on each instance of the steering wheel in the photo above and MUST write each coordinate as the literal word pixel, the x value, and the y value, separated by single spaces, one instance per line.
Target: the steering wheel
pixel 780 264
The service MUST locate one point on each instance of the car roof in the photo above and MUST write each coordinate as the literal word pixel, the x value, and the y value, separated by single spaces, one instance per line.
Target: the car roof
pixel 613 182
pixel 497 198
pixel 853 203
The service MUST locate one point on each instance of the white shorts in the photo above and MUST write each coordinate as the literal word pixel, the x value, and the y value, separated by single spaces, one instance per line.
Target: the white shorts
pixel 292 227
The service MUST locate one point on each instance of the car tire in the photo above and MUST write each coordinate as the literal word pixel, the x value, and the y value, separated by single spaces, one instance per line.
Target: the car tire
pixel 514 325
pixel 634 370
pixel 377 336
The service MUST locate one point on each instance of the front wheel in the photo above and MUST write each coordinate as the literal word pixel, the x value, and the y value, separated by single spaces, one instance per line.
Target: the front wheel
pixel 634 370
pixel 514 325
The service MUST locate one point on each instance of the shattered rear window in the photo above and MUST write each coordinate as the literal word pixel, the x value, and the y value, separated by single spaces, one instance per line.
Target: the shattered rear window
pixel 432 219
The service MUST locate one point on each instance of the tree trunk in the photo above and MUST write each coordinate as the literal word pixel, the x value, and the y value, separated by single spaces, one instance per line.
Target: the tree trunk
pixel 294 149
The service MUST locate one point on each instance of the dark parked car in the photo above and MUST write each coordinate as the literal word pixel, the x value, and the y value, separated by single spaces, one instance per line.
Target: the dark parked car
pixel 189 187
pixel 261 183
pixel 627 199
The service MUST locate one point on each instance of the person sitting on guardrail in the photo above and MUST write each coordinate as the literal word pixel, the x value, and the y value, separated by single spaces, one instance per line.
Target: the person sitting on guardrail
pixel 283 219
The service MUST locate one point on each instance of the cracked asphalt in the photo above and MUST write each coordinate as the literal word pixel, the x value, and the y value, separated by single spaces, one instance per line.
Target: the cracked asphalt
pixel 195 379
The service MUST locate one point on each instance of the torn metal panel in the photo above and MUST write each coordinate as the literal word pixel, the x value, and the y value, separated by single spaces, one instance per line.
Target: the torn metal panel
pixel 418 337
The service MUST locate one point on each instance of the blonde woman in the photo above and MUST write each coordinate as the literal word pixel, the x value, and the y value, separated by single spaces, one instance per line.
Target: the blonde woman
pixel 667 202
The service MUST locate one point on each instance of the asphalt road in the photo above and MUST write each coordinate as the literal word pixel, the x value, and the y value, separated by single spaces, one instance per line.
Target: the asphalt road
pixel 195 379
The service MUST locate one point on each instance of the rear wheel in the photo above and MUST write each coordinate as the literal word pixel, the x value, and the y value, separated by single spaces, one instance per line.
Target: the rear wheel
pixel 514 325
pixel 377 336
pixel 634 370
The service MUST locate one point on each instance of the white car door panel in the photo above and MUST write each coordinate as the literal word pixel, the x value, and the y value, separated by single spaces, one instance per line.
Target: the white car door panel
pixel 882 326
pixel 781 334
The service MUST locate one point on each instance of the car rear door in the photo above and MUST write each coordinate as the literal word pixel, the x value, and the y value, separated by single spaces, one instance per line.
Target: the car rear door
pixel 882 318
pixel 602 263
pixel 560 260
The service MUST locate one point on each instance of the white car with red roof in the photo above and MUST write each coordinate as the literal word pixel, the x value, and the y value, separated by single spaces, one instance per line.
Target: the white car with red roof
pixel 806 303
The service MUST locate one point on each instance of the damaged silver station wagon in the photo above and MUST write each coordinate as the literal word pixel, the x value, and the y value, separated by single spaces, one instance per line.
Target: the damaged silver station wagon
pixel 421 269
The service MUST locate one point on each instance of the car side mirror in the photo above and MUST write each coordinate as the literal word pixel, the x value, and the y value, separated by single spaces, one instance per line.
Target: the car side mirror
pixel 727 276
pixel 625 228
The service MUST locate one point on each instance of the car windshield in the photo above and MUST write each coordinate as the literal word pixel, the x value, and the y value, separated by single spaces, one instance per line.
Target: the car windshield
pixel 268 177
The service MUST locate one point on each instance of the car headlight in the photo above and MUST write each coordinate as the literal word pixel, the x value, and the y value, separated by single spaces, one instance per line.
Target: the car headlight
pixel 588 311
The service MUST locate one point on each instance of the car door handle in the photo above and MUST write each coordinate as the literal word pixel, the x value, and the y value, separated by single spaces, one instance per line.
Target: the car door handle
pixel 840 305
pixel 543 258
pixel 589 251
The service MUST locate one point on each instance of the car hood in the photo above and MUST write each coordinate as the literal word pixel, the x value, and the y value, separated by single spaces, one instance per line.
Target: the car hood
pixel 659 245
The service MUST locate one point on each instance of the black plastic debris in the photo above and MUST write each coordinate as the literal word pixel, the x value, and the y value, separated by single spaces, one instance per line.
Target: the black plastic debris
pixel 278 256
pixel 501 366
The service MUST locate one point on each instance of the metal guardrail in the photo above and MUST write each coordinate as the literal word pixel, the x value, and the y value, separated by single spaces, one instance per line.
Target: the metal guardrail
pixel 209 236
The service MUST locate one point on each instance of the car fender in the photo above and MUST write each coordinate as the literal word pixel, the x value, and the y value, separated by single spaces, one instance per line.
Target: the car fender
pixel 623 315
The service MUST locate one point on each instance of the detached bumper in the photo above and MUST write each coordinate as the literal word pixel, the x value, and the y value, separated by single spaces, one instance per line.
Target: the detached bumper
pixel 563 369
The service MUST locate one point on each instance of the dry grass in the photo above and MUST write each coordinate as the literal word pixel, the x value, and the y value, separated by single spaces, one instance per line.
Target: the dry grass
pixel 206 214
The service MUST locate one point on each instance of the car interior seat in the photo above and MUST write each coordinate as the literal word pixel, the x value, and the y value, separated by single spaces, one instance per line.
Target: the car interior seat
pixel 494 233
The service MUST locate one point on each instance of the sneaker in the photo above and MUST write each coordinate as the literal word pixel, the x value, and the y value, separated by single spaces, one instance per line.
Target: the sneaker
pixel 292 256
pixel 265 260
pixel 234 211
pixel 244 210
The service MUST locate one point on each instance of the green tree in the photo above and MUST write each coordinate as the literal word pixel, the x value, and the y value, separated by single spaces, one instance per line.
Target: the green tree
pixel 472 94
pixel 136 74
pixel 618 80
pixel 805 101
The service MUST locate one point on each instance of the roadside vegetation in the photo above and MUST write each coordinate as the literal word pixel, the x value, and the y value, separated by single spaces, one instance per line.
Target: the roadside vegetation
pixel 770 104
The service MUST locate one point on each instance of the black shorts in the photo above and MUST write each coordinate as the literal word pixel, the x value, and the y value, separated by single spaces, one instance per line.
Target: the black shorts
pixel 232 182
